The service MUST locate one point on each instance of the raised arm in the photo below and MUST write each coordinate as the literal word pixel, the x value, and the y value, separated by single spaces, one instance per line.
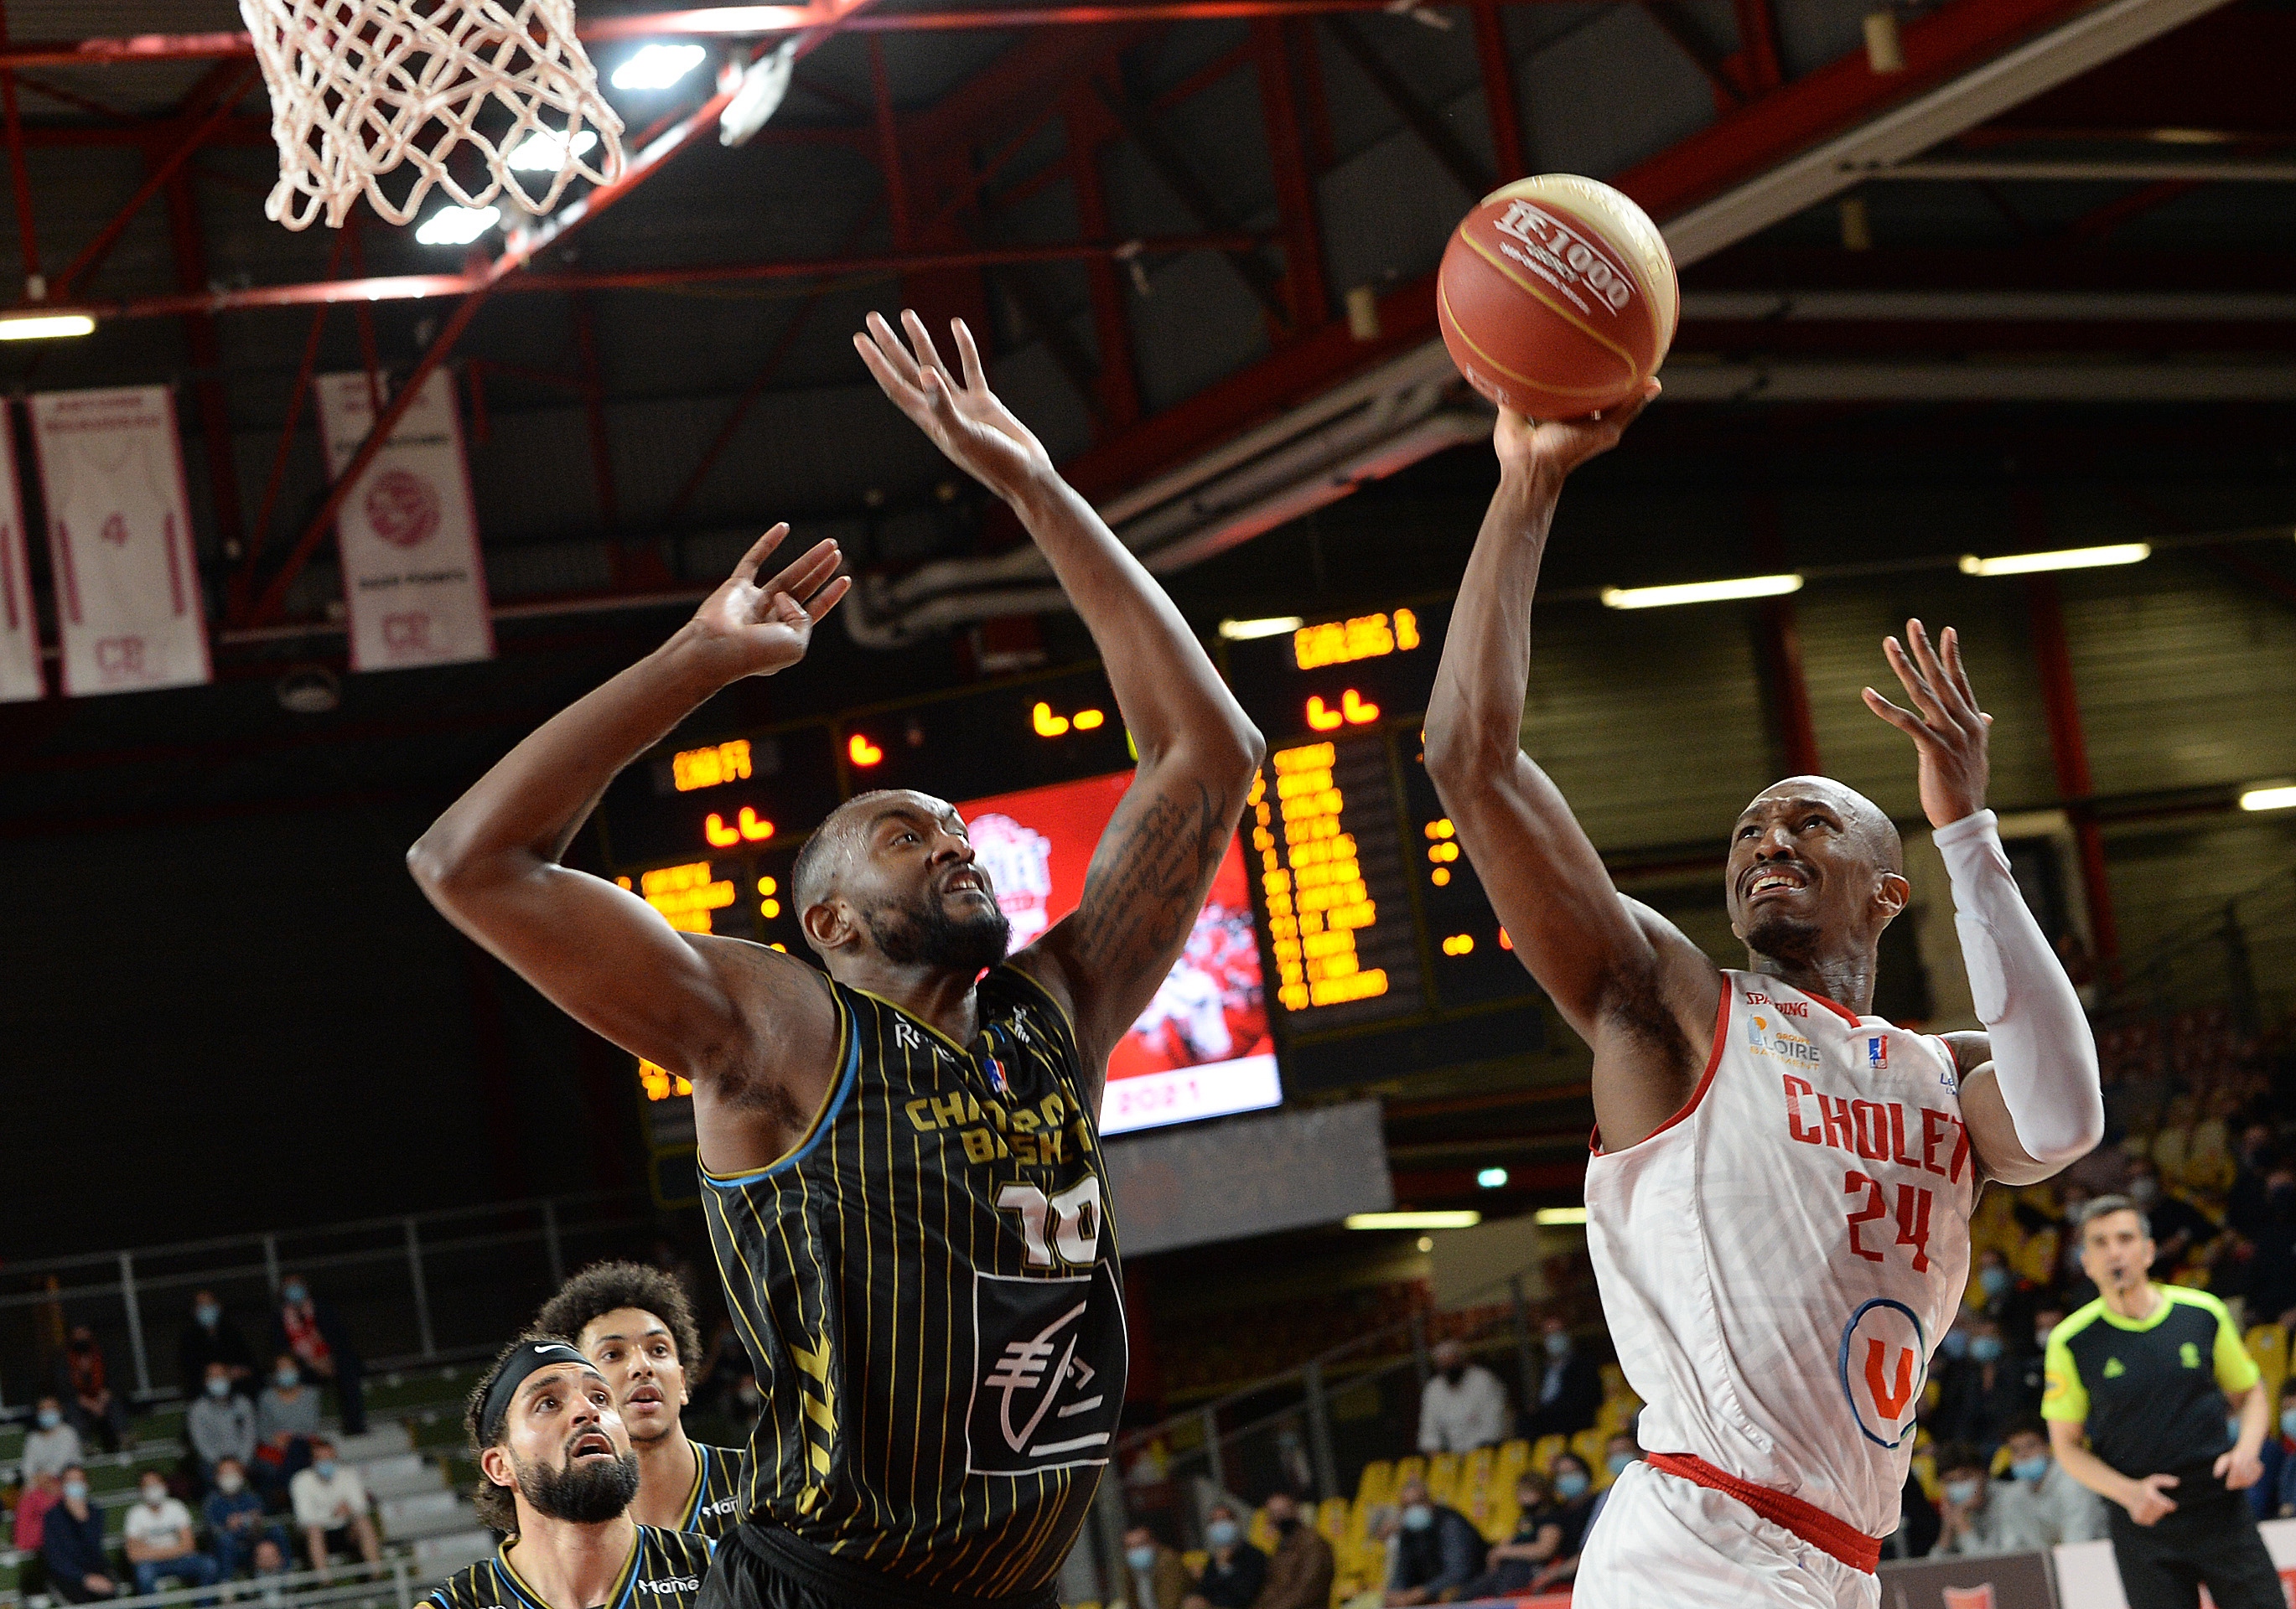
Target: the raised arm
pixel 2029 1091
pixel 703 1008
pixel 1631 985
pixel 1197 750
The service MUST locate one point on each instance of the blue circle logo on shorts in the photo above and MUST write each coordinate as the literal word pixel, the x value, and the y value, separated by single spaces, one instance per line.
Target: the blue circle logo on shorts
pixel 1883 1363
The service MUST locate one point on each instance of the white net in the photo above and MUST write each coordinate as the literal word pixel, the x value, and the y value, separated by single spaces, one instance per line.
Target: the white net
pixel 476 98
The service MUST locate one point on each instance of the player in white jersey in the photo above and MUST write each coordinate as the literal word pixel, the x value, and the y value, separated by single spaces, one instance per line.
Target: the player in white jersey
pixel 1778 1202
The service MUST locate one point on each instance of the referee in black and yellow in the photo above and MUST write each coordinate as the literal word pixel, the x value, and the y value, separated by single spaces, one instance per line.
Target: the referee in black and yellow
pixel 2144 1372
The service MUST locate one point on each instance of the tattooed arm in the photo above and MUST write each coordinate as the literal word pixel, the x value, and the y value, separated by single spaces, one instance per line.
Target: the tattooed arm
pixel 1197 750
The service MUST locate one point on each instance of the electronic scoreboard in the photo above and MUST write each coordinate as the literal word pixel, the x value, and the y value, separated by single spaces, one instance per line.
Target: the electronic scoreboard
pixel 1347 939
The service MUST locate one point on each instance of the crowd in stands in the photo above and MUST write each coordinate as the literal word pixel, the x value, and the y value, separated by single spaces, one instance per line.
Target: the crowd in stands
pixel 258 1484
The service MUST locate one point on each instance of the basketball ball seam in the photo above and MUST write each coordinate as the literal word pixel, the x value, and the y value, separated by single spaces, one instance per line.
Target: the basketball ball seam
pixel 1561 311
pixel 1548 387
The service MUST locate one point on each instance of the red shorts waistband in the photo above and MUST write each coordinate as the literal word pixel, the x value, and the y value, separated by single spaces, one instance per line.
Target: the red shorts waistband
pixel 1811 1523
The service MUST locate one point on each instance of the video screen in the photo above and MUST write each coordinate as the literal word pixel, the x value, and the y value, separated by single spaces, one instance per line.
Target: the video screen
pixel 1202 1048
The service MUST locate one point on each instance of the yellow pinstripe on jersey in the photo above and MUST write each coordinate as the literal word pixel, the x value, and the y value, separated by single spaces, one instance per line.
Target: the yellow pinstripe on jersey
pixel 930 1288
pixel 663 1571
pixel 721 1479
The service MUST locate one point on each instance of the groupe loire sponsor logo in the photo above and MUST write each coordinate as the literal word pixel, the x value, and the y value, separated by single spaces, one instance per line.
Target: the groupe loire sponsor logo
pixel 1792 1046
pixel 1565 258
pixel 1883 1363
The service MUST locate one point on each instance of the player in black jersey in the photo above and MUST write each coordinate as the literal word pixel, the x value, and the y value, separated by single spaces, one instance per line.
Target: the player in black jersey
pixel 903 1184
pixel 556 1473
pixel 635 1324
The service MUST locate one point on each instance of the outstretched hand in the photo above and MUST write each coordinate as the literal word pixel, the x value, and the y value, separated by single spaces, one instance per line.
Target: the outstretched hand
pixel 766 628
pixel 1949 734
pixel 1554 447
pixel 977 433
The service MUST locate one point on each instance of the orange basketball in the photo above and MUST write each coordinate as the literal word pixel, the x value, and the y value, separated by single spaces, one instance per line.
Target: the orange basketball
pixel 1557 296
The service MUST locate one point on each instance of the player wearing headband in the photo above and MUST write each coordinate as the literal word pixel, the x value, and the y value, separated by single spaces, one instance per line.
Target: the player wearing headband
pixel 634 1324
pixel 556 1475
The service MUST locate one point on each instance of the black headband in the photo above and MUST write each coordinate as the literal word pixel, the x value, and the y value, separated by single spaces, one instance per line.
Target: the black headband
pixel 512 1372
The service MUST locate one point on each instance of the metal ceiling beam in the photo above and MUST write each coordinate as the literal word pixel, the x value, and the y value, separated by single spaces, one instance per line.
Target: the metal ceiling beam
pixel 224 86
pixel 737 23
pixel 2089 172
pixel 1463 165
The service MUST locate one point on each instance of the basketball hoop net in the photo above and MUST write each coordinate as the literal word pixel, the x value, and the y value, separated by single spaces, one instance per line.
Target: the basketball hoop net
pixel 363 88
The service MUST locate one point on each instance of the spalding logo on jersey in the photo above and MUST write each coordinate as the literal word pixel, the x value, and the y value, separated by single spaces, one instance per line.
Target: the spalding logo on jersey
pixel 1885 1363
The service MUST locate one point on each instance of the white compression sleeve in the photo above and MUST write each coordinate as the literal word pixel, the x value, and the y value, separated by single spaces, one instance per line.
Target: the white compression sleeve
pixel 2043 1052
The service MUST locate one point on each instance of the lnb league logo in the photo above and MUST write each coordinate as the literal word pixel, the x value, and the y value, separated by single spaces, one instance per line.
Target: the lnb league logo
pixel 1883 1364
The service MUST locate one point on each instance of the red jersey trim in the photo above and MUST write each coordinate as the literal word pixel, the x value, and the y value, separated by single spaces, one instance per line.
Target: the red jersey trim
pixel 1706 1079
pixel 1839 1010
pixel 1807 1521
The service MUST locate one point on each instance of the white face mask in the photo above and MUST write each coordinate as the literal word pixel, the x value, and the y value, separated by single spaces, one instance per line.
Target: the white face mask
pixel 153 1496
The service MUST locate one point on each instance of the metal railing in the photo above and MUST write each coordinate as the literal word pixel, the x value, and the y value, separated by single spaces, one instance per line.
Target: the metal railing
pixel 416 1288
pixel 392 1583
pixel 2242 954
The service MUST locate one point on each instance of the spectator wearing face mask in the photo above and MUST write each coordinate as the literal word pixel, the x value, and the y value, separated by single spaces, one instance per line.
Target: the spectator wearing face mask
pixel 2032 1367
pixel 160 1541
pixel 272 1560
pixel 208 1337
pixel 1159 1580
pixel 1437 1550
pixel 1233 1570
pixel 2274 1497
pixel 1618 1452
pixel 1538 1533
pixel 51 1445
pixel 234 1512
pixel 2050 1507
pixel 331 1508
pixel 1569 1393
pixel 286 1418
pixel 1982 1393
pixel 220 1424
pixel 307 1330
pixel 2006 1299
pixel 96 1410
pixel 1299 1570
pixel 71 1545
pixel 1975 1525
pixel 1463 1406
pixel 1574 1511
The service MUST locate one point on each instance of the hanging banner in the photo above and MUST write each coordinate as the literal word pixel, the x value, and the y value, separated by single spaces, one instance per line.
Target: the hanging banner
pixel 119 533
pixel 412 577
pixel 19 630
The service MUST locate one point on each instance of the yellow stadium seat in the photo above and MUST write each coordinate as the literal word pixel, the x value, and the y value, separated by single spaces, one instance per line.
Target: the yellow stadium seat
pixel 2267 1343
pixel 1542 1457
pixel 1331 1520
pixel 1261 1532
pixel 1614 1380
pixel 1412 1469
pixel 1925 1471
pixel 2000 1461
pixel 1195 1559
pixel 1443 1477
pixel 1588 1445
pixel 1514 1458
pixel 1377 1482
pixel 1475 1474
pixel 1499 1523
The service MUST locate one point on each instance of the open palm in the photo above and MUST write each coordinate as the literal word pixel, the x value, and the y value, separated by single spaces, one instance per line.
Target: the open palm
pixel 766 628
pixel 977 433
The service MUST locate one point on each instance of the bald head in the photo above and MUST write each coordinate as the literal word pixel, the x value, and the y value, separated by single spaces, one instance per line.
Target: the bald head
pixel 1865 820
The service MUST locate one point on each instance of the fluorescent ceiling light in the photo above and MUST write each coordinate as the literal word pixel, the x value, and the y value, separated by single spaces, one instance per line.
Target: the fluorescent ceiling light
pixel 46 326
pixel 1699 591
pixel 2063 558
pixel 1272 626
pixel 1492 1178
pixel 544 150
pixel 2279 796
pixel 457 225
pixel 1554 1217
pixel 657 66
pixel 1413 1221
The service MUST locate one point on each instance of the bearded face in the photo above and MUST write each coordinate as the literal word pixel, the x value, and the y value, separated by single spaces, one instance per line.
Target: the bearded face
pixel 924 932
pixel 589 1492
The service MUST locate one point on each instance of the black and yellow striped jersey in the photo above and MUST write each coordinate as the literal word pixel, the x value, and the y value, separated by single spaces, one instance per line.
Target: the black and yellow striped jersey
pixel 929 1284
pixel 664 1571
pixel 721 1479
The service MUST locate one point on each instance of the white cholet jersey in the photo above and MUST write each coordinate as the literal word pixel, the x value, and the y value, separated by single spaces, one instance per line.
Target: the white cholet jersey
pixel 1778 1263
